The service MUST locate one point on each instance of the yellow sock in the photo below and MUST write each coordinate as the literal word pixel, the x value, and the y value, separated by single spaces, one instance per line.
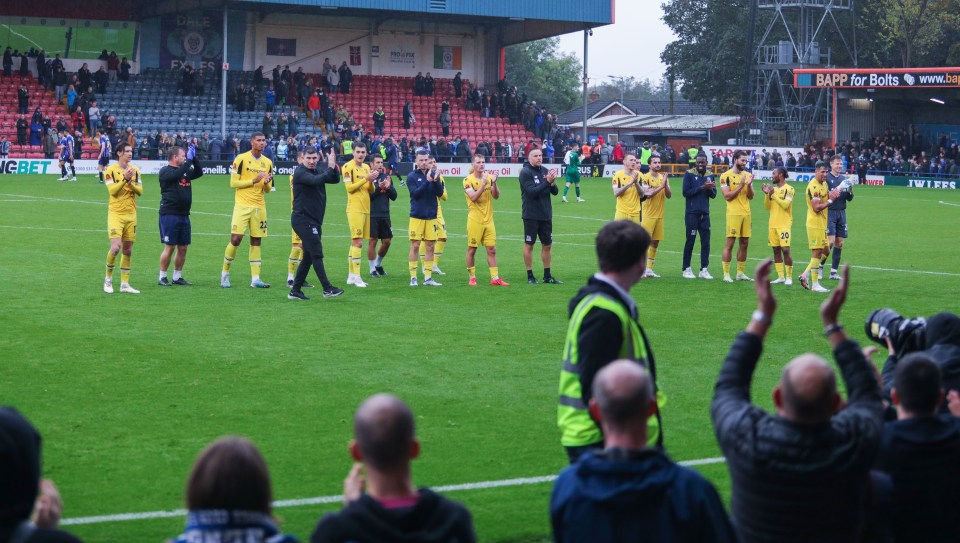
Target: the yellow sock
pixel 111 262
pixel 423 251
pixel 355 260
pixel 438 252
pixel 741 267
pixel 228 256
pixel 823 260
pixel 779 267
pixel 296 255
pixel 726 267
pixel 427 269
pixel 472 271
pixel 255 261
pixel 124 268
pixel 413 268
pixel 814 268
pixel 789 270
pixel 651 257
pixel 494 272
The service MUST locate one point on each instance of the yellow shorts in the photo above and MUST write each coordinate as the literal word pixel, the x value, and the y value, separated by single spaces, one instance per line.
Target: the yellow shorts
pixel 441 227
pixel 817 237
pixel 738 226
pixel 359 224
pixel 635 217
pixel 481 234
pixel 654 227
pixel 122 226
pixel 424 229
pixel 254 218
pixel 779 237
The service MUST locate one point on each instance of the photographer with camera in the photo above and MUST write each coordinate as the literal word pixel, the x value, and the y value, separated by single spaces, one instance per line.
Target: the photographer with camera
pixel 938 336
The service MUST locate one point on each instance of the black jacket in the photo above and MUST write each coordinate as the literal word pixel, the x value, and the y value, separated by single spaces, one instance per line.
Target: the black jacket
pixel 176 193
pixel 943 346
pixel 380 199
pixel 920 454
pixel 433 519
pixel 310 193
pixel 795 482
pixel 535 193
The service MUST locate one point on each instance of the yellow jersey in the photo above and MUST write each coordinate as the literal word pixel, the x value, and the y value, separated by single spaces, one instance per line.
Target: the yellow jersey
pixel 244 170
pixel 358 188
pixel 481 210
pixel 291 192
pixel 123 195
pixel 780 204
pixel 653 207
pixel 628 203
pixel 741 204
pixel 441 198
pixel 817 192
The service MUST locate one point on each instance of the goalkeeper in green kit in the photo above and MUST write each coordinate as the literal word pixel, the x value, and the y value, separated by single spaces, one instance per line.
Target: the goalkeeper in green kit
pixel 572 160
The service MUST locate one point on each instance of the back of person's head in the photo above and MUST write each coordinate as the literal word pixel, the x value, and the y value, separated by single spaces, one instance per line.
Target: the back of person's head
pixel 230 474
pixel 943 329
pixel 624 395
pixel 807 392
pixel 917 384
pixel 620 245
pixel 384 430
pixel 19 466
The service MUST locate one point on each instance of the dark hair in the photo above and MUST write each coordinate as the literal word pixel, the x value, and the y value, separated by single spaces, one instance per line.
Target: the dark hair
pixel 621 244
pixel 230 474
pixel 308 150
pixel 121 148
pixel 738 154
pixel 786 174
pixel 256 135
pixel 175 150
pixel 836 157
pixel 819 164
pixel 918 382
pixel 384 429
pixel 360 145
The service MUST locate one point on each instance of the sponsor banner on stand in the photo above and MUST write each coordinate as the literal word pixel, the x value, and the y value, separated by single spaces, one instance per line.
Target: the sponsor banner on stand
pixel 860 78
pixel 920 182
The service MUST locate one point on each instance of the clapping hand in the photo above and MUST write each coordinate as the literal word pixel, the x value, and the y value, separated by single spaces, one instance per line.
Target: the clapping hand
pixel 766 302
pixel 354 484
pixel 830 309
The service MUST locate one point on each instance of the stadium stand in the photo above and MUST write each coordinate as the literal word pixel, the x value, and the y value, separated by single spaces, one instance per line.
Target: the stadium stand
pixel 9 112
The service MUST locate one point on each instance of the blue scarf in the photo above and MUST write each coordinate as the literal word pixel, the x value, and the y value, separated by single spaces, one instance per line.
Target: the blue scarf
pixel 223 526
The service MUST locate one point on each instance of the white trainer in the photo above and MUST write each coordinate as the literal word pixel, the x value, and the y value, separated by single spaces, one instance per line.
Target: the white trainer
pixel 650 273
pixel 413 282
pixel 125 287
pixel 743 277
pixel 777 281
pixel 688 274
pixel 351 279
pixel 788 281
pixel 108 286
pixel 818 288
pixel 63 179
pixel 224 281
pixel 429 282
pixel 727 278
pixel 358 282
pixel 436 270
pixel 579 199
pixel 705 274
pixel 564 199
pixel 834 275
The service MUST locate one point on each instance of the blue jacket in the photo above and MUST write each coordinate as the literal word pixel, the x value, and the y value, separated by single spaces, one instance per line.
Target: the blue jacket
pixel 636 496
pixel 423 195
pixel 698 199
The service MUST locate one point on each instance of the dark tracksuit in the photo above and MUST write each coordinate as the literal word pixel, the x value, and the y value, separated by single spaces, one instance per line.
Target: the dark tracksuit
pixel 309 206
pixel 697 216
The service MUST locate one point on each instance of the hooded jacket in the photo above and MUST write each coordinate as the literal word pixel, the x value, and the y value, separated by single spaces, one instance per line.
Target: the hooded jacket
pixel 636 496
pixel 432 519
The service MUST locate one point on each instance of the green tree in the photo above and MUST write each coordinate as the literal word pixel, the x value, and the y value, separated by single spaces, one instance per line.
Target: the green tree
pixel 547 76
pixel 633 89
pixel 918 28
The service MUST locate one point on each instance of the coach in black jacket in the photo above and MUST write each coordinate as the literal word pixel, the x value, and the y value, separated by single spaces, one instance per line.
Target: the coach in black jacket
pixel 176 198
pixel 799 475
pixel 536 187
pixel 309 206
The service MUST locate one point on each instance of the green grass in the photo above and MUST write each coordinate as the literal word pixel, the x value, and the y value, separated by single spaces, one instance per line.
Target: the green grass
pixel 126 390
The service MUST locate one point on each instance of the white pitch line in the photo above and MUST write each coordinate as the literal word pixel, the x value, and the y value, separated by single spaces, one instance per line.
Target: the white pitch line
pixel 948 203
pixel 321 500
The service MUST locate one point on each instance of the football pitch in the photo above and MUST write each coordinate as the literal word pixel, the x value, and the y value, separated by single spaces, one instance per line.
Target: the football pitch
pixel 126 389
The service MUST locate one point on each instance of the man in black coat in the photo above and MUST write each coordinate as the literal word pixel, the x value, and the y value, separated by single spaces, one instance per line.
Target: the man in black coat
pixel 309 207
pixel 800 474
pixel 537 186
pixel 23 99
pixel 176 198
pixel 23 126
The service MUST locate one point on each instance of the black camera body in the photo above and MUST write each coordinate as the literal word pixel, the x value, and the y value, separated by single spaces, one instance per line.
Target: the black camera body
pixel 906 335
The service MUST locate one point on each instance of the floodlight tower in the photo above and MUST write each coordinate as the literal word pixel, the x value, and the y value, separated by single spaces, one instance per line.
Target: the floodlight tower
pixel 775 113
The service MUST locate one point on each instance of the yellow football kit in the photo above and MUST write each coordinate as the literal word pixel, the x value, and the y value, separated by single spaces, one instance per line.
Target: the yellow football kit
pixel 480 227
pixel 358 198
pixel 628 203
pixel 249 208
pixel 122 206
pixel 780 204
pixel 652 208
pixel 817 221
pixel 738 209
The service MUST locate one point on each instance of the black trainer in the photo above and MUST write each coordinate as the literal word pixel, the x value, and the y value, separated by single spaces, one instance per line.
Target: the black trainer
pixel 307 285
pixel 164 282
pixel 182 282
pixel 374 273
pixel 532 281
pixel 332 292
pixel 381 272
pixel 552 281
pixel 297 295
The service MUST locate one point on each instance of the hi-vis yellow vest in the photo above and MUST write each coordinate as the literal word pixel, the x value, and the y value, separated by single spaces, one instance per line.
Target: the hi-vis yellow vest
pixel 573 416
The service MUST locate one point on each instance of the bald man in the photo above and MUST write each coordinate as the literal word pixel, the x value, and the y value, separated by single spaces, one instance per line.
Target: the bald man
pixel 382 503
pixel 630 488
pixel 800 474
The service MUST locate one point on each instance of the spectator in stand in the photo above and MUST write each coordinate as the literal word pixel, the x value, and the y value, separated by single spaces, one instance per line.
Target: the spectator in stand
pixel 379 121
pixel 50 143
pixel 4 147
pixel 293 124
pixel 24 493
pixel 113 65
pixel 93 118
pixel 333 80
pixel 100 79
pixel 919 452
pixel 418 85
pixel 457 85
pixel 24 66
pixel 629 487
pixel 617 155
pixel 802 474
pixel 23 130
pixel 428 85
pixel 23 99
pixel 229 496
pixel 79 120
pixel 313 104
pixel 124 69
pixel 444 119
pixel 382 503
pixel 268 127
pixel 7 62
pixel 84 76
pixel 408 117
pixel 346 78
